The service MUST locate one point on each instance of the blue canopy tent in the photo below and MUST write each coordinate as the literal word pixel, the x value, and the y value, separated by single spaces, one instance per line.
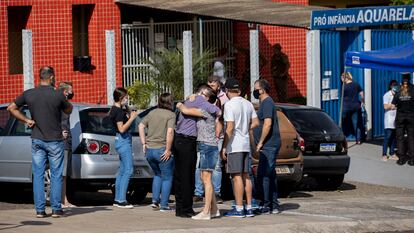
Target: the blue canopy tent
pixel 399 58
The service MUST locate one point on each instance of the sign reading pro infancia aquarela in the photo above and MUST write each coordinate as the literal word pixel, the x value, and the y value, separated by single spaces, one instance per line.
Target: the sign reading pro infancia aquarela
pixel 365 16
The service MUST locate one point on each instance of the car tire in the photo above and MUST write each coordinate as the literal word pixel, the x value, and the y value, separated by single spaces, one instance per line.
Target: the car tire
pixel 47 186
pixel 136 195
pixel 331 182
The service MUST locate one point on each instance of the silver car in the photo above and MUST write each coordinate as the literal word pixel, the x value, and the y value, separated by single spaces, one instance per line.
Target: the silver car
pixel 94 162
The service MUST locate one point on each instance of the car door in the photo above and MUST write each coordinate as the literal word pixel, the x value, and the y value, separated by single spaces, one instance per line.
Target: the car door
pixel 15 151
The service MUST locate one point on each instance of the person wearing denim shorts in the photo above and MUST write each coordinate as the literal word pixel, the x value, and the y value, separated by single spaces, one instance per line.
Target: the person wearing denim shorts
pixel 46 106
pixel 207 137
pixel 122 118
pixel 157 147
pixel 215 83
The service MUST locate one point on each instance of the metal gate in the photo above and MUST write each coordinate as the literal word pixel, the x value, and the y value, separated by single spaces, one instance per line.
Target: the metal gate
pixel 141 41
pixel 381 39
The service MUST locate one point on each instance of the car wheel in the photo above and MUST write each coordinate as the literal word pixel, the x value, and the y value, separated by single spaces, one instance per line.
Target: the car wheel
pixel 330 182
pixel 47 185
pixel 136 195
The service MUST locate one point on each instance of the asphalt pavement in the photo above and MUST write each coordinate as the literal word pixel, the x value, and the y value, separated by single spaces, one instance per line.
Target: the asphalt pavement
pixel 376 197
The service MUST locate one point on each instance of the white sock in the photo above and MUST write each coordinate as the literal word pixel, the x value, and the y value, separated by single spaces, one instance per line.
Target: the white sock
pixel 239 207
pixel 248 207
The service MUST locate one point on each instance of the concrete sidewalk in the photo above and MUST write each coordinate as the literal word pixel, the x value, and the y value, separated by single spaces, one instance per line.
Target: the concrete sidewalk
pixel 341 211
pixel 367 166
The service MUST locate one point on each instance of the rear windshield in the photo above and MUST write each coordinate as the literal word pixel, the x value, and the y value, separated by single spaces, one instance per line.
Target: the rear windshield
pixel 312 121
pixel 97 121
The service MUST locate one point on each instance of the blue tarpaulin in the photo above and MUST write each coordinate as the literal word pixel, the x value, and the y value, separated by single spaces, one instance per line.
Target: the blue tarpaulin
pixel 399 58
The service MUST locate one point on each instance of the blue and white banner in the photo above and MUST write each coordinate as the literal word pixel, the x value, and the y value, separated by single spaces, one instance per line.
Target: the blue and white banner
pixel 354 17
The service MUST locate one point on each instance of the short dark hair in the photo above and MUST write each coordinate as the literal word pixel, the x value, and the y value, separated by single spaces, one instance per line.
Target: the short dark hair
pixel 200 88
pixel 46 72
pixel 392 83
pixel 214 78
pixel 264 84
pixel 64 85
pixel 165 101
pixel 119 93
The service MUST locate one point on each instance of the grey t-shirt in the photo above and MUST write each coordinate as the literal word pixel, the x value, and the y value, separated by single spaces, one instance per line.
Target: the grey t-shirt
pixel 157 122
pixel 206 129
pixel 45 105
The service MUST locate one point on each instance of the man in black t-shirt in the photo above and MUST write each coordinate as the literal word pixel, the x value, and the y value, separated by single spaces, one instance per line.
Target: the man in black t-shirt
pixel 45 105
pixel 267 141
pixel 404 122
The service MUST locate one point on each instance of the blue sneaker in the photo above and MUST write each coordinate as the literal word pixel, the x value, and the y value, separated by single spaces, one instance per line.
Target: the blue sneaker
pixel 235 214
pixel 249 213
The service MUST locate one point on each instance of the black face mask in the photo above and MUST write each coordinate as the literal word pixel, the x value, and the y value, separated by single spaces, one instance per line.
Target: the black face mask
pixel 256 94
pixel 70 96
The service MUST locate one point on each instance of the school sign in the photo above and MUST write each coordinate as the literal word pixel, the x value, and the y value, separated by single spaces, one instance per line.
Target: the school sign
pixel 362 17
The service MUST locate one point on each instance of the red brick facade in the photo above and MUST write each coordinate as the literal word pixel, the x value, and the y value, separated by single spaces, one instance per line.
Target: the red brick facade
pixel 293 42
pixel 51 25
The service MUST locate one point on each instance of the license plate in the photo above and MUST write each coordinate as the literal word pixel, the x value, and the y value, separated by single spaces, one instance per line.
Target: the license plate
pixel 324 147
pixel 282 170
pixel 137 171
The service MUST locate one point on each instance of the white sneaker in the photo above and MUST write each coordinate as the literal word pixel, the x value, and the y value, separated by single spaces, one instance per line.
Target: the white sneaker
pixel 216 214
pixel 201 216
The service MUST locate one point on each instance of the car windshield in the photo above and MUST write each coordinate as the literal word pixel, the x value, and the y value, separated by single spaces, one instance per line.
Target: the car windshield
pixel 97 121
pixel 312 121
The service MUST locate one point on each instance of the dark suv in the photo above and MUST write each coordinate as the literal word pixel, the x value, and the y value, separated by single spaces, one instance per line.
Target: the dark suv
pixel 323 145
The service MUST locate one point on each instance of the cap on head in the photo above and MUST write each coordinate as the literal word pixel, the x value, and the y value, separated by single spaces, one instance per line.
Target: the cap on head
pixel 232 84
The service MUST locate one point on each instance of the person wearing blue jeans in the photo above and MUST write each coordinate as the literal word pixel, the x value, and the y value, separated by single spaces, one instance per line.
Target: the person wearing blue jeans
pixel 123 145
pixel 46 106
pixel 390 140
pixel 122 118
pixel 267 144
pixel 43 151
pixel 157 144
pixel 163 176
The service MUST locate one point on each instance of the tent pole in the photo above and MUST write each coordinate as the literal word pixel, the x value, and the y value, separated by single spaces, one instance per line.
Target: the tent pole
pixel 342 99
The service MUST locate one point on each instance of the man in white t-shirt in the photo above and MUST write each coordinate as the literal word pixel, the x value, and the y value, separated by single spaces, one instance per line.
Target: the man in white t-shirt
pixel 240 118
pixel 389 122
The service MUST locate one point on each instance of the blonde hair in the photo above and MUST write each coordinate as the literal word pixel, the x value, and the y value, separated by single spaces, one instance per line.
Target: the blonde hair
pixel 347 75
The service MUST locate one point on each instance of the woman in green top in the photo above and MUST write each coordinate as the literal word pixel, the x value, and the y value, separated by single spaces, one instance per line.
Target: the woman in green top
pixel 157 147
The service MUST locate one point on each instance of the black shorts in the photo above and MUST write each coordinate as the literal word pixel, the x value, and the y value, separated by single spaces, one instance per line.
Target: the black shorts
pixel 238 162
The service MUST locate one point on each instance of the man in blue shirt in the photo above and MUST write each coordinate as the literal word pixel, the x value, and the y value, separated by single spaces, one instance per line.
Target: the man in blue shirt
pixel 267 145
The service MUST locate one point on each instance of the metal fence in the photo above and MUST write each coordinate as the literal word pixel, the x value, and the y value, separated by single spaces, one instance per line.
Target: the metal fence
pixel 141 41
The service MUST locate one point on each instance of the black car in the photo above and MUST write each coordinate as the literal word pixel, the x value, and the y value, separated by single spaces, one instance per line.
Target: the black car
pixel 324 146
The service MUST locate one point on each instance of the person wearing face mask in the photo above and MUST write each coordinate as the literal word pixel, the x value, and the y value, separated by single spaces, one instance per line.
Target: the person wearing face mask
pixel 389 123
pixel 46 106
pixel 122 118
pixel 266 146
pixel 208 133
pixel 404 122
pixel 67 89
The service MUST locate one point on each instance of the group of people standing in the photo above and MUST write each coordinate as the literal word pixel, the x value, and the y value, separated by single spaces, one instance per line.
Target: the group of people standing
pixel 215 124
pixel 399 122
pixel 398 103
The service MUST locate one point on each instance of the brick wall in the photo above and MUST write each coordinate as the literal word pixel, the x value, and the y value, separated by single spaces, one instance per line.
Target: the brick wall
pixel 293 42
pixel 51 24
